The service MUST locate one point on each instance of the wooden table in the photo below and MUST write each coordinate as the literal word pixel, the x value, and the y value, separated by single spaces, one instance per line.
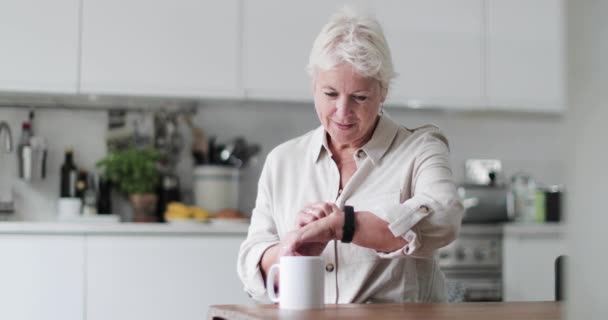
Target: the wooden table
pixel 414 311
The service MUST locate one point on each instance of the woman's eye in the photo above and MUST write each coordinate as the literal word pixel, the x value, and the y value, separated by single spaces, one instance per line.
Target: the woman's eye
pixel 360 98
pixel 331 94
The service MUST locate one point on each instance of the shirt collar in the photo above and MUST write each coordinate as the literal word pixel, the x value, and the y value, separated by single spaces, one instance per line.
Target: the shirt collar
pixel 375 148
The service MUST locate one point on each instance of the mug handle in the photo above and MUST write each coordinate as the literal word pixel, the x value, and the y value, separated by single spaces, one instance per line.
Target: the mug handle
pixel 270 283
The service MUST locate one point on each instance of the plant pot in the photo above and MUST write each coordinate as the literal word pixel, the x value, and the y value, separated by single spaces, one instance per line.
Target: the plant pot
pixel 144 207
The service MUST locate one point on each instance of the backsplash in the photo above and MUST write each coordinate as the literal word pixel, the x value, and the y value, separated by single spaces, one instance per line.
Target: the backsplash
pixel 528 142
pixel 82 130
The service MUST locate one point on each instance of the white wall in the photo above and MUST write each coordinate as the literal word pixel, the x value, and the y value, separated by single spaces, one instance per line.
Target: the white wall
pixel 587 125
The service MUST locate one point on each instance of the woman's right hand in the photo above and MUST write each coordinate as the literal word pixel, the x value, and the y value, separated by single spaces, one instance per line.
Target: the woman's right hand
pixel 312 213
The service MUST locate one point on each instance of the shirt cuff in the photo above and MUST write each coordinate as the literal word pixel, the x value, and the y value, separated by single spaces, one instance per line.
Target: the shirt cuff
pixel 413 243
pixel 402 219
pixel 256 286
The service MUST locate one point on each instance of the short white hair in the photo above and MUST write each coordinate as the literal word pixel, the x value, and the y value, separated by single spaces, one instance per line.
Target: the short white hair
pixel 356 39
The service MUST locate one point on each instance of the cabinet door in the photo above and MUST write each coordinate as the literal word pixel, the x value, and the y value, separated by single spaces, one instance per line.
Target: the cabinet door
pixel 161 277
pixel 42 277
pixel 525 50
pixel 436 47
pixel 164 47
pixel 277 39
pixel 529 267
pixel 39 45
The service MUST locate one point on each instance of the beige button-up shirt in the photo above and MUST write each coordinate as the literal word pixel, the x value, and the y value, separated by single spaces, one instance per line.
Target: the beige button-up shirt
pixel 403 176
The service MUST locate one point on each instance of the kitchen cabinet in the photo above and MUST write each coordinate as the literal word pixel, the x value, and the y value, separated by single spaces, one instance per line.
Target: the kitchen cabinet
pixel 41 277
pixel 277 39
pixel 419 34
pixel 39 45
pixel 529 253
pixel 525 55
pixel 160 277
pixel 183 48
pixel 476 54
pixel 437 51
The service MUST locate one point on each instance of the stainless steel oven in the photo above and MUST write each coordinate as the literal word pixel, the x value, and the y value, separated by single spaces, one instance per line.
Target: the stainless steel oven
pixel 473 262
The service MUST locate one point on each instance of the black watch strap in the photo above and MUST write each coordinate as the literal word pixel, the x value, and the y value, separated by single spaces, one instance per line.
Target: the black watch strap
pixel 348 230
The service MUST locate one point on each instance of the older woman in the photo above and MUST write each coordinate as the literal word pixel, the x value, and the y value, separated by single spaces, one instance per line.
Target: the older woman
pixel 372 198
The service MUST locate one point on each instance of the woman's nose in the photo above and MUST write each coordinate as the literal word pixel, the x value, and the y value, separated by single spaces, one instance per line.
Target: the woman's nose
pixel 343 106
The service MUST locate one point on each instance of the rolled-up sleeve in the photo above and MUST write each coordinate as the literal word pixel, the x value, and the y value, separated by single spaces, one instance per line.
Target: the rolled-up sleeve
pixel 431 218
pixel 262 234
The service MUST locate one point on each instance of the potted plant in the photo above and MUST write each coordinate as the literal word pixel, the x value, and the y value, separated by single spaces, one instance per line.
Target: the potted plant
pixel 134 172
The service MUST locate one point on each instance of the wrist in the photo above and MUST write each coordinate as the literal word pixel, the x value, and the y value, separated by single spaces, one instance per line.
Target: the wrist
pixel 336 222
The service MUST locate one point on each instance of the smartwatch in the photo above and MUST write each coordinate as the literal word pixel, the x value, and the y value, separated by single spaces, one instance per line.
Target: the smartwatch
pixel 348 230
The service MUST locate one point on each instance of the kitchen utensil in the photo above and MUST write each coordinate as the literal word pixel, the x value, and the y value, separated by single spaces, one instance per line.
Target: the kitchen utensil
pixel 167 138
pixel 200 143
pixel 8 140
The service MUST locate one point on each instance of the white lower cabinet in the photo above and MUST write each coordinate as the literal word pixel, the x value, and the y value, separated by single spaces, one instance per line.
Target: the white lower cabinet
pixel 41 277
pixel 529 264
pixel 161 277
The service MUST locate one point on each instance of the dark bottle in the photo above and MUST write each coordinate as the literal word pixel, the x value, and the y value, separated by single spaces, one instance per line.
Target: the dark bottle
pixel 104 199
pixel 68 175
pixel 82 184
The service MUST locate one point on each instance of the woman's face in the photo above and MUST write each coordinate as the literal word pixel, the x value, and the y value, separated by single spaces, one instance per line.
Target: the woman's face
pixel 347 104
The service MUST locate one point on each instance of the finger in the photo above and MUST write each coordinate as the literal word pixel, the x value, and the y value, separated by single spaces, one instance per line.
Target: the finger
pixel 305 218
pixel 320 209
pixel 335 208
pixel 316 212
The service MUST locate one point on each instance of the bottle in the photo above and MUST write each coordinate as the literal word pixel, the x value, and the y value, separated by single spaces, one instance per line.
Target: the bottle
pixel 104 198
pixel 89 201
pixel 82 184
pixel 68 175
pixel 24 152
pixel 167 192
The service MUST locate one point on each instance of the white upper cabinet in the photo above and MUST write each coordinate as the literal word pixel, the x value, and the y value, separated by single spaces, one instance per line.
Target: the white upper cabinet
pixel 186 48
pixel 277 39
pixel 437 50
pixel 42 277
pixel 525 55
pixel 39 45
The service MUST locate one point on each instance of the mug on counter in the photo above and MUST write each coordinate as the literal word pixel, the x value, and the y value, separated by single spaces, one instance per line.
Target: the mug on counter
pixel 301 283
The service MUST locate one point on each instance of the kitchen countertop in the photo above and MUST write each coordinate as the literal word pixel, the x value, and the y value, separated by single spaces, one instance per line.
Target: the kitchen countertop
pixel 190 228
pixel 534 230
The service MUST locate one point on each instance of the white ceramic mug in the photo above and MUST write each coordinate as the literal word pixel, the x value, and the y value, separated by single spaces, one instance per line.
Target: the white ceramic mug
pixel 301 283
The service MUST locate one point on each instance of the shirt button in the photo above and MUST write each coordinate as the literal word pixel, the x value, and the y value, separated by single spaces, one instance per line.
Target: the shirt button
pixel 329 267
pixel 360 154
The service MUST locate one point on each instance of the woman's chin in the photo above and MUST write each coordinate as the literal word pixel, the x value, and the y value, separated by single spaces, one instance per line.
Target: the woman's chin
pixel 342 138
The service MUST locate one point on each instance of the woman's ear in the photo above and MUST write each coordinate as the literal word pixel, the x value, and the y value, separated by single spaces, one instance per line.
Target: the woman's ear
pixel 383 93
